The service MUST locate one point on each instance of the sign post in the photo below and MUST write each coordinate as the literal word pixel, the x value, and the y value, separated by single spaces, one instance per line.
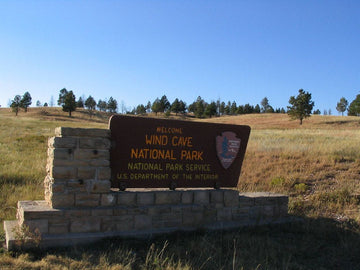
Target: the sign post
pixel 160 153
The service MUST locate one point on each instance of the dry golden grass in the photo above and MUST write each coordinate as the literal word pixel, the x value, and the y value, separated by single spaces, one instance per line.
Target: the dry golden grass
pixel 316 164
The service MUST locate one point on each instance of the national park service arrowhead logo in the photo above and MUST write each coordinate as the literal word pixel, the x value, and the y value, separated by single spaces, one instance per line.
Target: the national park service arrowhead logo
pixel 227 147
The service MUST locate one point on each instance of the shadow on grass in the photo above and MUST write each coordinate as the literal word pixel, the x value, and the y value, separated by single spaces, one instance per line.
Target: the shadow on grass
pixel 15 179
pixel 309 244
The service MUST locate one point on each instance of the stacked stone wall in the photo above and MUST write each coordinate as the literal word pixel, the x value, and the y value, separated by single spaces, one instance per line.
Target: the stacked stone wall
pixel 80 206
pixel 78 167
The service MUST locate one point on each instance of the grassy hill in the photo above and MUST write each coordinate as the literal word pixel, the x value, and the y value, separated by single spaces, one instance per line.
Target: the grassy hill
pixel 317 164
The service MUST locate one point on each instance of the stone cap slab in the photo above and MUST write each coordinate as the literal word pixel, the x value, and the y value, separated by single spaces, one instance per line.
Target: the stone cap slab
pixel 81 132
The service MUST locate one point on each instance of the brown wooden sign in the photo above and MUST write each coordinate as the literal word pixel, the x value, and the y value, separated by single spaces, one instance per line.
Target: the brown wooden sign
pixel 158 153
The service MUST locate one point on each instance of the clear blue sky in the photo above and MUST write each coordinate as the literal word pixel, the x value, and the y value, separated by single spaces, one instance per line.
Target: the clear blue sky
pixel 136 51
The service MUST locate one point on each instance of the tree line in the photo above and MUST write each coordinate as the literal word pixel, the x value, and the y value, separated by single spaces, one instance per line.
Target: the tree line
pixel 300 106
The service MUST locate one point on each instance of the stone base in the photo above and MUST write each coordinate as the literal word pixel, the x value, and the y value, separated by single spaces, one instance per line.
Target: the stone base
pixel 143 214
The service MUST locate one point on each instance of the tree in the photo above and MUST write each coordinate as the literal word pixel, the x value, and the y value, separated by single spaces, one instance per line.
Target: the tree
pixel 317 112
pixel 233 108
pixel 45 104
pixel 62 95
pixel 198 107
pixel 112 105
pixel 222 108
pixel 164 104
pixel 156 106
pixel 102 105
pixel 16 104
pixel 354 107
pixel 175 106
pixel 38 103
pixel 148 107
pixel 255 109
pixel 80 103
pixel 240 109
pixel 25 101
pixel 227 108
pixel 342 105
pixel 264 104
pixel 69 103
pixel 182 107
pixel 140 109
pixel 211 109
pixel 90 103
pixel 301 106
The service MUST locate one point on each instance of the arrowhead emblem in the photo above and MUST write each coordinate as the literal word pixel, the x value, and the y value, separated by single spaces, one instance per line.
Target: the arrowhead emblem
pixel 227 147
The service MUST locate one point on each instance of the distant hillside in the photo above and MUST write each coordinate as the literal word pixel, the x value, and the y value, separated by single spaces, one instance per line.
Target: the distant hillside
pixel 256 121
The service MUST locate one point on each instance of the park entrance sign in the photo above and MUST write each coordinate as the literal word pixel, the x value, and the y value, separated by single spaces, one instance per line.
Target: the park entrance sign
pixel 160 153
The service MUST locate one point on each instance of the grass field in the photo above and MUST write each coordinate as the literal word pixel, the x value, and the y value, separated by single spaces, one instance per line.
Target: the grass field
pixel 316 164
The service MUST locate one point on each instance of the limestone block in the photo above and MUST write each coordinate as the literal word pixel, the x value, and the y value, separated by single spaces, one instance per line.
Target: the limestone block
pixel 89 200
pixel 168 197
pixel 61 142
pixel 59 221
pixel 60 154
pixel 107 199
pixel 256 213
pixel 242 213
pixel 210 215
pixel 76 186
pixel 58 229
pixel 217 198
pixel 104 173
pixel 87 154
pixel 283 210
pixel 117 223
pixel 126 198
pixel 245 201
pixel 119 211
pixel 70 163
pixel 224 214
pixel 81 132
pixel 71 213
pixel 40 225
pixel 102 212
pixel 62 200
pixel 59 225
pixel 138 210
pixel 187 197
pixel 99 162
pixel 192 219
pixel 201 197
pixel 145 198
pixel 58 188
pixel 63 172
pixel 178 209
pixel 28 210
pixel 231 197
pixel 268 211
pixel 125 223
pixel 94 143
pixel 142 222
pixel 86 173
pixel 166 220
pixel 85 224
pixel 158 210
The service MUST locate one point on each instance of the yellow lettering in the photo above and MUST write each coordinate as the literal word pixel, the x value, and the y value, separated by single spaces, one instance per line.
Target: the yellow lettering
pixel 191 155
pixel 181 141
pixel 156 139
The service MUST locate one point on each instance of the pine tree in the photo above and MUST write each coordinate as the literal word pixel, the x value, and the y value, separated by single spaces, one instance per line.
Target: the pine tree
pixel 301 106
pixel 69 104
